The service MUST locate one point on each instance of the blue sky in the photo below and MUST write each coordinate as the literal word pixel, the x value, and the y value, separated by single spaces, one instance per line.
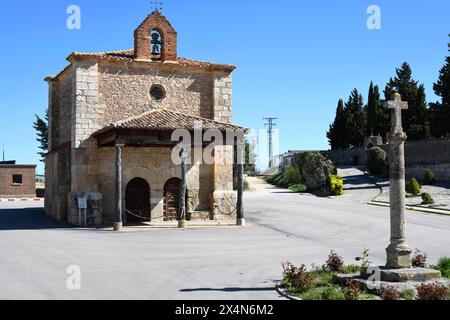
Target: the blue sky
pixel 295 58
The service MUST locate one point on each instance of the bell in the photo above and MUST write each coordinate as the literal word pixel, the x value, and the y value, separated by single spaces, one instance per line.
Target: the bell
pixel 155 49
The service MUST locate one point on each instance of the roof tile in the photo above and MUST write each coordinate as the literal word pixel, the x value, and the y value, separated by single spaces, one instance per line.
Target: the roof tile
pixel 161 119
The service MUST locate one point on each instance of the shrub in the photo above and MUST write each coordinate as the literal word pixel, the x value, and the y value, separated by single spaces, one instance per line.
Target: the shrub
pixel 292 175
pixel 315 169
pixel 389 293
pixel 364 258
pixel 413 187
pixel 298 277
pixel 335 263
pixel 300 188
pixel 432 291
pixel 332 293
pixel 377 161
pixel 336 185
pixel 278 180
pixel 351 269
pixel 419 259
pixel 427 198
pixel 246 186
pixel 352 291
pixel 429 178
pixel 443 266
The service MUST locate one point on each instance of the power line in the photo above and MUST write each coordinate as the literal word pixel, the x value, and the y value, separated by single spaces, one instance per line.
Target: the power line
pixel 270 124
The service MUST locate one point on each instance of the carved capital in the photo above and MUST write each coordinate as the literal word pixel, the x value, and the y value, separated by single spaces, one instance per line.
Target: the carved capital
pixel 397 137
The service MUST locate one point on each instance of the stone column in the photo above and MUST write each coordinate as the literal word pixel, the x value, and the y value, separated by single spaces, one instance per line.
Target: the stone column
pixel 119 208
pixel 183 189
pixel 240 216
pixel 398 252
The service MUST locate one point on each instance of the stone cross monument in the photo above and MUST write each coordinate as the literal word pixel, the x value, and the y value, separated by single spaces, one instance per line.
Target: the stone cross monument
pixel 398 252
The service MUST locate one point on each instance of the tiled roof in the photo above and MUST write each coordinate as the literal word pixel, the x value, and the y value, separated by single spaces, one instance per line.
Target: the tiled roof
pixel 128 55
pixel 161 120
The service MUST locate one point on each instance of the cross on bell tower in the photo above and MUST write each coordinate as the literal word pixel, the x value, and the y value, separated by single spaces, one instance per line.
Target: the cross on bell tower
pixel 157 5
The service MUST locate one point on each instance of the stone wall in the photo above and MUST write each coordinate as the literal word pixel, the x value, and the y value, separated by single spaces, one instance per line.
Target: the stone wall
pixel 419 156
pixel 60 107
pixel 58 182
pixel 152 164
pixel 224 197
pixel 223 89
pixel 125 91
pixel 86 110
pixel 27 188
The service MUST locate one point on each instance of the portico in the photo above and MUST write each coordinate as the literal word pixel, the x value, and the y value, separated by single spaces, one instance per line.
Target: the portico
pixel 143 151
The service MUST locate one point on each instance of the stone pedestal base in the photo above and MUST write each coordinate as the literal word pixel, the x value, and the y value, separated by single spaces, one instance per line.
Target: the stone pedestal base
pixel 405 281
pixel 182 224
pixel 240 222
pixel 398 257
pixel 401 275
pixel 118 226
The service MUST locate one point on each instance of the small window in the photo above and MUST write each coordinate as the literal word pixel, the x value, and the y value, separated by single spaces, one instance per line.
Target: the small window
pixel 157 92
pixel 17 179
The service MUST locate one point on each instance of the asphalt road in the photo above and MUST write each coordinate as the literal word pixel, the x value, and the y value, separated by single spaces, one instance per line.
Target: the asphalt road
pixel 219 263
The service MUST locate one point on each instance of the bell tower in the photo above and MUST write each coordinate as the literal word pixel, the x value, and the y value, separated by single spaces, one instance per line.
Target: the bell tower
pixel 155 39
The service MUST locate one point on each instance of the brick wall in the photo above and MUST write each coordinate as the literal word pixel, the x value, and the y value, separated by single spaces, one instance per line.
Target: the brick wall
pixel 10 190
pixel 142 41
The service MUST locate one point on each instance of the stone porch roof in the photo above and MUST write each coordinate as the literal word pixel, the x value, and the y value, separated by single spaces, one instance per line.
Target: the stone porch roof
pixel 167 120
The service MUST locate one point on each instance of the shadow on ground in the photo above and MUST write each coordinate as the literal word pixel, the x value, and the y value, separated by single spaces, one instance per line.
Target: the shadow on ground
pixel 229 289
pixel 27 219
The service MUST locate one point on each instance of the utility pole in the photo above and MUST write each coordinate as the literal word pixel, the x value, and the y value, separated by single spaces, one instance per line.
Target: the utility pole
pixel 270 124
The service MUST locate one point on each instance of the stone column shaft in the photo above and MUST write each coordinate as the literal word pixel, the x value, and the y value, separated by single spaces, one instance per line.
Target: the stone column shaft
pixel 398 252
pixel 119 207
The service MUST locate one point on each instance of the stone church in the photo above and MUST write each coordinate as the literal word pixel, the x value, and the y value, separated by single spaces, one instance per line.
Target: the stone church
pixel 133 100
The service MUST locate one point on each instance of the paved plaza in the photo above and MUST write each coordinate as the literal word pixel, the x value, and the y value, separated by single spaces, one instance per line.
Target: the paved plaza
pixel 200 263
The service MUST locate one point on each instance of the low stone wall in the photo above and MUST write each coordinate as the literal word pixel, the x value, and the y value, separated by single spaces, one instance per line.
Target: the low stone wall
pixel 420 156
pixel 440 170
pixel 347 157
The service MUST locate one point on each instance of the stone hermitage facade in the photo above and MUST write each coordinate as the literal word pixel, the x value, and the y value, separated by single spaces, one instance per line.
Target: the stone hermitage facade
pixel 136 97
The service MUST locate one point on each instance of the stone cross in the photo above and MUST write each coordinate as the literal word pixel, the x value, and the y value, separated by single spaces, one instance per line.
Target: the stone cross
pixel 398 252
pixel 397 105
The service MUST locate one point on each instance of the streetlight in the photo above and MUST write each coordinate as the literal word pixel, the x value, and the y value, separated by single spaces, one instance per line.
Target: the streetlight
pixel 182 223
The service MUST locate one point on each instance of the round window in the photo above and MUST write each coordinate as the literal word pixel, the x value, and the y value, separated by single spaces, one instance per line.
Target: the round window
pixel 157 92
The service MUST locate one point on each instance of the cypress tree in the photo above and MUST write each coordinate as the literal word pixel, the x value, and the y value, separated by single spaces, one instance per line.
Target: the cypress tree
pixel 356 119
pixel 41 127
pixel 404 84
pixel 419 128
pixel 337 136
pixel 440 111
pixel 373 111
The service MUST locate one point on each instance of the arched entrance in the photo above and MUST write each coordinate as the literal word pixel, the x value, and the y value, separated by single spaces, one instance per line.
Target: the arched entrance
pixel 137 201
pixel 172 199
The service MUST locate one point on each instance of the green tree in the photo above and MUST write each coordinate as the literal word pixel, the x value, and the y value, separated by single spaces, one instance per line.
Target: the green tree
pixel 419 128
pixel 337 136
pixel 250 159
pixel 41 127
pixel 440 111
pixel 373 111
pixel 414 119
pixel 355 119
